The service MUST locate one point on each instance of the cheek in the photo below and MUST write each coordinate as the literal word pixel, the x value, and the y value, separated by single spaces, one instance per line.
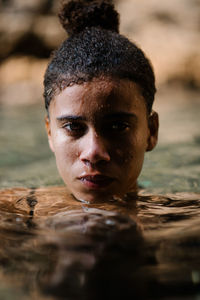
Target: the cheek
pixel 64 150
pixel 123 156
pixel 131 149
pixel 58 138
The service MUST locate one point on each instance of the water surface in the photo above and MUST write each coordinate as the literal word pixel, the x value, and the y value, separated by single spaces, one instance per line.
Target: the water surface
pixel 57 249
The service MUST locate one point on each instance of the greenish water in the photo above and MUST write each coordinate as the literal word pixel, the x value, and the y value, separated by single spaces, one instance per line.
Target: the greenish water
pixel 174 166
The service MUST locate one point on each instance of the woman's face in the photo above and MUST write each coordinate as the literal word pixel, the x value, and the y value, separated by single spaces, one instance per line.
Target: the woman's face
pixel 99 132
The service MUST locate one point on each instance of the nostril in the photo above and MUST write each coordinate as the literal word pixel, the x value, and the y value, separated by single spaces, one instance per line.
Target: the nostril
pixel 94 164
pixel 86 162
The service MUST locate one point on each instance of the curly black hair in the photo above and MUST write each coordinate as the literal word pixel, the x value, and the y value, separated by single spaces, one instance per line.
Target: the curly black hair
pixel 94 48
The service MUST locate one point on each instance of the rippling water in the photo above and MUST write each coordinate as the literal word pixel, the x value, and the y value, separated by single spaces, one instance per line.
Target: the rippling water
pixel 57 249
pixel 54 247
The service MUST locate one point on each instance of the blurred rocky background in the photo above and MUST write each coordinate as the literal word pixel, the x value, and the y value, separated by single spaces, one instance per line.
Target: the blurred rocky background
pixel 168 31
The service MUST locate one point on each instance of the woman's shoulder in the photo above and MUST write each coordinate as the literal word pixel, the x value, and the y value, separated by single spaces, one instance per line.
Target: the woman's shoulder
pixel 37 201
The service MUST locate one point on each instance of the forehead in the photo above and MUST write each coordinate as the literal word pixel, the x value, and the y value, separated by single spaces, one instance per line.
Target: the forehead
pixel 99 95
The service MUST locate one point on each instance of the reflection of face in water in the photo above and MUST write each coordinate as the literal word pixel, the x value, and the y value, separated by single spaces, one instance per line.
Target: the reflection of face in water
pixel 92 249
pixel 69 255
pixel 99 132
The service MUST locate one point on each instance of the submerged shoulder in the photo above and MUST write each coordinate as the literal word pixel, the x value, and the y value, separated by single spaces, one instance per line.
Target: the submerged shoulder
pixel 33 201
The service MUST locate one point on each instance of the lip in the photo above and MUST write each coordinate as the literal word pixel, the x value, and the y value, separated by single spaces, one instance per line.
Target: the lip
pixel 97 181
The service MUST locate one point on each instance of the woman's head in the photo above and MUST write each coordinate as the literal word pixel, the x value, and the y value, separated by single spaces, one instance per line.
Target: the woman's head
pixel 95 48
pixel 99 90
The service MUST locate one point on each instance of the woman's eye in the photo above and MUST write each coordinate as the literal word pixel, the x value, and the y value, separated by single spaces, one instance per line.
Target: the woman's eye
pixel 74 128
pixel 120 126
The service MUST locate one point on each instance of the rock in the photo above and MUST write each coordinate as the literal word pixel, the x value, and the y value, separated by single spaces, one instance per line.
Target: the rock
pixel 49 30
pixel 13 27
pixel 21 80
pixel 169 33
pixel 31 22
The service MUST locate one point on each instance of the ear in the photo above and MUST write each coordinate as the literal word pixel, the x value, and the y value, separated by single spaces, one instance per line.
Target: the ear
pixel 153 124
pixel 48 130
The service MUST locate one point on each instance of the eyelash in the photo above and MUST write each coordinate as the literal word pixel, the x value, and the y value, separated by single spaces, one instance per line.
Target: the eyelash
pixel 120 126
pixel 78 129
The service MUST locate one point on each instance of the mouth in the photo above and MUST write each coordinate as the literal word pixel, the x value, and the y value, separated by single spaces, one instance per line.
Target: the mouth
pixel 96 181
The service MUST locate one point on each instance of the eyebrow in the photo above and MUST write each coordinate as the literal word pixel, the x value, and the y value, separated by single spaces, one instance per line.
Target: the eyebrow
pixel 116 115
pixel 120 115
pixel 71 118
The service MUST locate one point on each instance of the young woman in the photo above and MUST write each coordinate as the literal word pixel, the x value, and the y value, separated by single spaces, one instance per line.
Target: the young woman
pixel 99 91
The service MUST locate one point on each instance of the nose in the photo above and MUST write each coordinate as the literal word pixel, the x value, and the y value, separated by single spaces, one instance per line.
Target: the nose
pixel 94 149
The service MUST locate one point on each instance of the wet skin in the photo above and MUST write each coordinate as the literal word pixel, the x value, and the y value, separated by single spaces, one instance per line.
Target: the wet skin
pixel 99 132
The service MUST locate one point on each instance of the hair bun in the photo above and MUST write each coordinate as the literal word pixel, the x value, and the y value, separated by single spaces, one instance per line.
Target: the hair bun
pixel 76 15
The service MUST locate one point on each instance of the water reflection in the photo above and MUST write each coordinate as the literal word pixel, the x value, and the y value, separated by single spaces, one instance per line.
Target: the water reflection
pixel 57 249
pixel 80 253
